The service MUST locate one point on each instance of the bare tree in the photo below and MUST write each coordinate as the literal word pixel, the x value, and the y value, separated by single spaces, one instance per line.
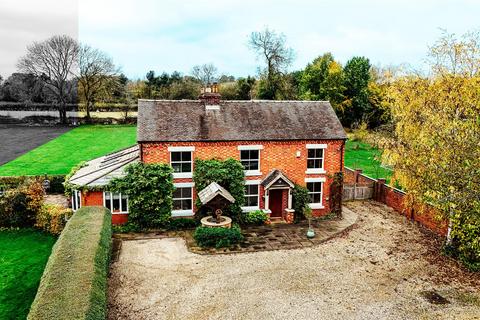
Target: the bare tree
pixel 53 60
pixel 271 46
pixel 96 72
pixel 456 55
pixel 206 73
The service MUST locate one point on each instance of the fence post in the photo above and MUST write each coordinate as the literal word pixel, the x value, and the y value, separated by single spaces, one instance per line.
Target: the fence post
pixel 379 190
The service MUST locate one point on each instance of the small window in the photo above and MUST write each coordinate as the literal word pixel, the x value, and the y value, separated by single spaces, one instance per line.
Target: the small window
pixel 315 159
pixel 251 195
pixel 250 159
pixel 181 161
pixel 115 202
pixel 315 192
pixel 76 200
pixel 182 198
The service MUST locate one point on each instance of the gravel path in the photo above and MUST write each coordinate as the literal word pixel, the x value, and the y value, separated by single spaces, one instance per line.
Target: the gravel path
pixel 376 271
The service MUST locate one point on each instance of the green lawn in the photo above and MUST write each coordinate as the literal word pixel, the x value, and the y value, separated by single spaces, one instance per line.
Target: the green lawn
pixel 23 255
pixel 60 155
pixel 361 155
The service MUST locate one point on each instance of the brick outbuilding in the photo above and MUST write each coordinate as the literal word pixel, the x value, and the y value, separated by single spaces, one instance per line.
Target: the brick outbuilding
pixel 280 144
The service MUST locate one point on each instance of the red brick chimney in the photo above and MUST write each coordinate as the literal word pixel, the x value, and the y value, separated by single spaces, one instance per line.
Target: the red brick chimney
pixel 210 94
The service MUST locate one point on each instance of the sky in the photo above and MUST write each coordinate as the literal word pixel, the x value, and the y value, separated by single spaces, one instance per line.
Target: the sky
pixel 168 35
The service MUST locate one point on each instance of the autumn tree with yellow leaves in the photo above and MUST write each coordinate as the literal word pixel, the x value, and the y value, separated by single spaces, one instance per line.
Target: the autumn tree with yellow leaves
pixel 435 150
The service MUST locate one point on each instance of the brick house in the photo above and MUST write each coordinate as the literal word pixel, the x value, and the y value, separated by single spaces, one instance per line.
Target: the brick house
pixel 280 143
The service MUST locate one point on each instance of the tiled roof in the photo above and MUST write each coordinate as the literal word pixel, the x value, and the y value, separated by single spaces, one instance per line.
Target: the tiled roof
pixel 99 171
pixel 191 120
pixel 211 191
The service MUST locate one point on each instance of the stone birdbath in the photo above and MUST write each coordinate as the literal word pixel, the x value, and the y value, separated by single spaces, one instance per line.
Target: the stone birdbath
pixel 216 198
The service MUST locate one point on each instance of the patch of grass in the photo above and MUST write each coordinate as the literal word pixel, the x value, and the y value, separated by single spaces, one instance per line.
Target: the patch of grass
pixel 61 154
pixel 361 155
pixel 74 284
pixel 23 255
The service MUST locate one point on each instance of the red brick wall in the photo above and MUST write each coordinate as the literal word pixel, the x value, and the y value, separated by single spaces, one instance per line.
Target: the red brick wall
pixel 396 199
pixel 95 198
pixel 92 198
pixel 351 176
pixel 274 155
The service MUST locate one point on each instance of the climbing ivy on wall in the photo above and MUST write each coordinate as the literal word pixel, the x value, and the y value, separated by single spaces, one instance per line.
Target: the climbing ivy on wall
pixel 149 188
pixel 229 174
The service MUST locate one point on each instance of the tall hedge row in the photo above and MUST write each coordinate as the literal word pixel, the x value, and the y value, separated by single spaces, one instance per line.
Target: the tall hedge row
pixel 56 182
pixel 74 283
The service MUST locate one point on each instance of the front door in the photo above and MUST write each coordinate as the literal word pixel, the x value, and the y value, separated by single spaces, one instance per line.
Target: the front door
pixel 275 203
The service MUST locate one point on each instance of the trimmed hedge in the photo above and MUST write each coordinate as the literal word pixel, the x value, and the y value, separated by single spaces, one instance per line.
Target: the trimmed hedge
pixel 74 283
pixel 56 182
pixel 218 237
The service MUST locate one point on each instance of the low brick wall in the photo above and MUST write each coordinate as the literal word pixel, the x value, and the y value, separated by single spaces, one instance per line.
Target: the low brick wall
pixel 392 197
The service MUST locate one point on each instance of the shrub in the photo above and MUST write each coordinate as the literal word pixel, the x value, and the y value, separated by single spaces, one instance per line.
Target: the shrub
pixel 149 188
pixel 52 218
pixel 74 283
pixel 218 237
pixel 182 224
pixel 300 200
pixel 229 174
pixel 257 217
pixel 56 182
pixel 466 240
pixel 19 206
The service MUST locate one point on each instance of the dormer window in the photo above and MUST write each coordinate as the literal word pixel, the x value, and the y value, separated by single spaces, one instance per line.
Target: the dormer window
pixel 181 161
pixel 250 159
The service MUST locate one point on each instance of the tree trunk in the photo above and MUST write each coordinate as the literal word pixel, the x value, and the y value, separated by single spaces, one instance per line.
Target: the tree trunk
pixel 87 110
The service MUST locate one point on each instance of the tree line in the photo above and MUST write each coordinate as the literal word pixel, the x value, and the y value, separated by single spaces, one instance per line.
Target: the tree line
pixel 62 71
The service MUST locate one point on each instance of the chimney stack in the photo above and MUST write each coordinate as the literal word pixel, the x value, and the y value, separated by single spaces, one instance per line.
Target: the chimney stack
pixel 210 95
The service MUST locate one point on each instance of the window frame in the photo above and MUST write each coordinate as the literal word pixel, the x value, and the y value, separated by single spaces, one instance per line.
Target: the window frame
pixel 76 200
pixel 316 205
pixel 182 149
pixel 111 202
pixel 252 183
pixel 252 147
pixel 181 212
pixel 321 170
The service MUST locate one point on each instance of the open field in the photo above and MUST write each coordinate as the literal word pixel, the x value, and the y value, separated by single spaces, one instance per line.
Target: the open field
pixel 16 140
pixel 60 155
pixel 384 268
pixel 23 255
pixel 361 155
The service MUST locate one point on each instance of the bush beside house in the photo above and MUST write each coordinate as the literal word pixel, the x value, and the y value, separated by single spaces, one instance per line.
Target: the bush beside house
pixel 52 218
pixel 300 199
pixel 218 237
pixel 56 182
pixel 74 282
pixel 149 188
pixel 257 217
pixel 230 175
pixel 19 206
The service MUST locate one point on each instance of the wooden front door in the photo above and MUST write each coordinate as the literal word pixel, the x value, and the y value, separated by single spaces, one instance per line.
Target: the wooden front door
pixel 275 203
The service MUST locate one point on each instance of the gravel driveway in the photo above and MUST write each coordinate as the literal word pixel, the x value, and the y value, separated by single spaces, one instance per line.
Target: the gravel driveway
pixel 376 271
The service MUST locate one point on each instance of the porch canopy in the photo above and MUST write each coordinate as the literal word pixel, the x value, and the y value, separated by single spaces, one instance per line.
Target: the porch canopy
pixel 276 179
